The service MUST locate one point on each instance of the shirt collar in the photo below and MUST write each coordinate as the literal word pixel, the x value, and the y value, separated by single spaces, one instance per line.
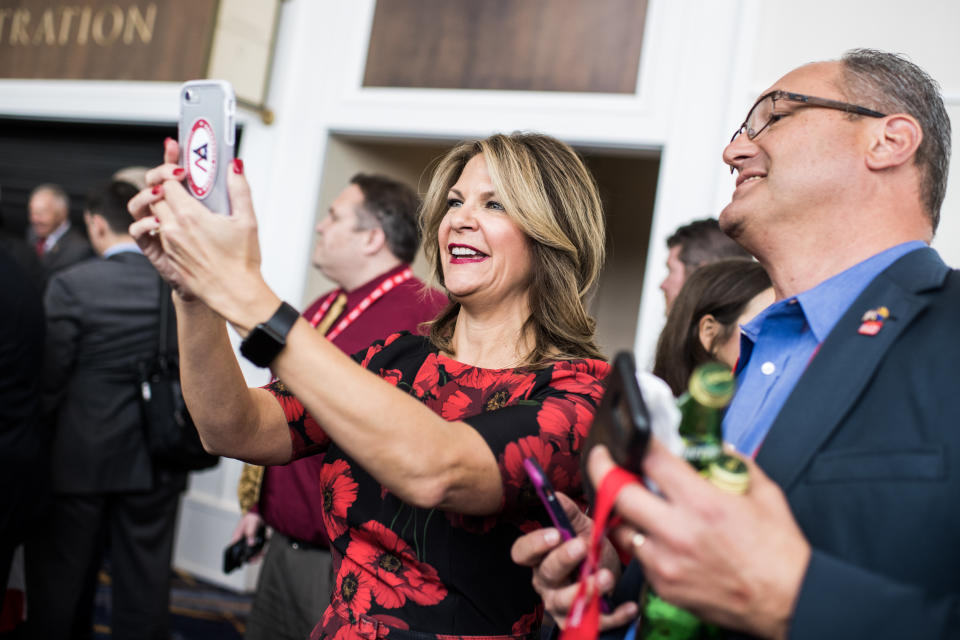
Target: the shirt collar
pixel 122 247
pixel 55 235
pixel 825 304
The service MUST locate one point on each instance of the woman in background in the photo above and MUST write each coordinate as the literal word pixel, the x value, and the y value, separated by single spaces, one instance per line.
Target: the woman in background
pixel 703 324
pixel 423 443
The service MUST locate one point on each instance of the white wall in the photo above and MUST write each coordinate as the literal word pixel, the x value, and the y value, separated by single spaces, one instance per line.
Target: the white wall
pixel 704 61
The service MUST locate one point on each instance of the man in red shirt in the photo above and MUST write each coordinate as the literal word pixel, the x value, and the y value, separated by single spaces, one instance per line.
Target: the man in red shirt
pixel 365 244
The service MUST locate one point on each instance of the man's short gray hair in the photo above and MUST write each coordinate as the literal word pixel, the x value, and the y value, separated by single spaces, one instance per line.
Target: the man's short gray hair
pixel 890 83
pixel 56 191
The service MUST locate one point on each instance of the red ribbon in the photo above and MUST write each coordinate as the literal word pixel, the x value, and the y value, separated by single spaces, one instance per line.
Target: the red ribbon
pixel 583 619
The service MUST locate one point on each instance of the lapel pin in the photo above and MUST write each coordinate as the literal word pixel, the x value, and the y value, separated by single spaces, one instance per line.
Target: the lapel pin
pixel 872 321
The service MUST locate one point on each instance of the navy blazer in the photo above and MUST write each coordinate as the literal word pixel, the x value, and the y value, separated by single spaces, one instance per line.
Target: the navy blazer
pixel 867 450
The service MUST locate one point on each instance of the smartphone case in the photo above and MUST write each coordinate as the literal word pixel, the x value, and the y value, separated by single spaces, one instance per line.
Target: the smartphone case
pixel 207 138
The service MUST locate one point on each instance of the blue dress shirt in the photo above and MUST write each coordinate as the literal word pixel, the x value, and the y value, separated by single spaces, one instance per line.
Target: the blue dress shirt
pixel 122 247
pixel 778 344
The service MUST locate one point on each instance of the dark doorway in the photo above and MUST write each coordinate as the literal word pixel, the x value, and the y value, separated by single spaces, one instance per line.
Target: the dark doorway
pixel 76 155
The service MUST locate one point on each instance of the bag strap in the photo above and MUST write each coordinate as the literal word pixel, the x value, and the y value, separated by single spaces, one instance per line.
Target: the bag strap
pixel 163 334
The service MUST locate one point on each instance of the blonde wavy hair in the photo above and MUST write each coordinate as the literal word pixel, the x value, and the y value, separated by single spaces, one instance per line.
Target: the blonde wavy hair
pixel 549 193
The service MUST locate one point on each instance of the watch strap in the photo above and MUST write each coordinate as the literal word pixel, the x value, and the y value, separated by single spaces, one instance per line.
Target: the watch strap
pixel 268 339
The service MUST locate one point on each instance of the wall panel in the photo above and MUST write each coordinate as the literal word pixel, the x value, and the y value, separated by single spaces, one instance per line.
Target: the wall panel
pixel 527 45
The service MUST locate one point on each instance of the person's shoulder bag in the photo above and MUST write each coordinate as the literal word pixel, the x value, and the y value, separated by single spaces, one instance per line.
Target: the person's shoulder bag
pixel 171 435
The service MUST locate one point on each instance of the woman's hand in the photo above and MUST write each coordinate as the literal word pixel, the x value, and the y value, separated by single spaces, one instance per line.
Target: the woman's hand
pixel 555 565
pixel 214 257
pixel 145 228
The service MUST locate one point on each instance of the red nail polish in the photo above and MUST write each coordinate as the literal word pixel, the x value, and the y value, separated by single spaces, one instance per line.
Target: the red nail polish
pixel 238 166
pixel 178 173
pixel 156 219
pixel 156 189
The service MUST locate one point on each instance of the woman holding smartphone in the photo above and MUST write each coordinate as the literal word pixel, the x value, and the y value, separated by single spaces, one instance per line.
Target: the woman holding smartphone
pixel 424 442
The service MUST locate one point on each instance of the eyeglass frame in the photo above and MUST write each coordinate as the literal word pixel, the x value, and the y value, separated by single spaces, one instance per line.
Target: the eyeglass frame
pixel 810 101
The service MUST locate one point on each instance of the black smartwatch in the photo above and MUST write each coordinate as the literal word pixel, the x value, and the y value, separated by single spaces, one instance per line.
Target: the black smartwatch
pixel 268 339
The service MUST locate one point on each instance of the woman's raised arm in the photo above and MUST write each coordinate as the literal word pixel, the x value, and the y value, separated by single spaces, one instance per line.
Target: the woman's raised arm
pixel 413 452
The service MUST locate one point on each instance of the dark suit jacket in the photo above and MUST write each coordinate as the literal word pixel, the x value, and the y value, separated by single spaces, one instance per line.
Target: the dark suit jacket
pixel 867 450
pixel 102 319
pixel 22 467
pixel 70 249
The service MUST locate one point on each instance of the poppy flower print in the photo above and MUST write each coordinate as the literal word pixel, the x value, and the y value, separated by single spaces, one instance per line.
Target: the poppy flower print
pixel 292 408
pixel 427 380
pixel 377 347
pixel 306 435
pixel 565 420
pixel 374 349
pixel 584 377
pixel 454 404
pixel 393 376
pixel 399 575
pixel 517 488
pixel 339 493
pixel 530 622
pixel 354 591
pixel 434 570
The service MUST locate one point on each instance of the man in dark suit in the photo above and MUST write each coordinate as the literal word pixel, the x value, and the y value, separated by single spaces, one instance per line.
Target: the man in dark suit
pixel 847 383
pixel 57 243
pixel 22 461
pixel 102 319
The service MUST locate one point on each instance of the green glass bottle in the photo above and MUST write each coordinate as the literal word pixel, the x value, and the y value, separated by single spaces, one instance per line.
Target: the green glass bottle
pixel 701 413
pixel 701 409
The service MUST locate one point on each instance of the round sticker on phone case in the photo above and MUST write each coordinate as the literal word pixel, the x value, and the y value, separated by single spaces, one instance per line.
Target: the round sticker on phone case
pixel 201 158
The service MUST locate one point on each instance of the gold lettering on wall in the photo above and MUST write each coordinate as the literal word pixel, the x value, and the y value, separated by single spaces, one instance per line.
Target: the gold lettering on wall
pixel 164 40
pixel 143 25
pixel 84 29
pixel 66 19
pixel 116 19
pixel 45 32
pixel 18 32
pixel 54 27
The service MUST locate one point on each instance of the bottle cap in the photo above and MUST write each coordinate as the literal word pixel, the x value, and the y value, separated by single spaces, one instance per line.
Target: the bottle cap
pixel 711 385
pixel 729 473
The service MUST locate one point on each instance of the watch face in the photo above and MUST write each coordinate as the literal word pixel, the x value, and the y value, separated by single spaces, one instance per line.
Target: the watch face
pixel 260 347
pixel 268 339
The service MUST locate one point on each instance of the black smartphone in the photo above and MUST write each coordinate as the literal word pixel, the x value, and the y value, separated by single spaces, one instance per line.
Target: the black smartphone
pixel 622 422
pixel 236 554
pixel 548 497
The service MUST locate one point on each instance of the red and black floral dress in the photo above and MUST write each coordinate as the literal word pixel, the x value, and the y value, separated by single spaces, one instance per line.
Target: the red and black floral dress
pixel 408 572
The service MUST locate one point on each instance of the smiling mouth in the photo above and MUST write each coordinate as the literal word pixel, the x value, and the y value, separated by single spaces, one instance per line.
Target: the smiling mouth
pixel 749 178
pixel 461 253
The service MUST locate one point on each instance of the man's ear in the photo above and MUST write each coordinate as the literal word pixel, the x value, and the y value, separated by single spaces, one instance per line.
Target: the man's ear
pixel 709 330
pixel 895 142
pixel 95 224
pixel 375 241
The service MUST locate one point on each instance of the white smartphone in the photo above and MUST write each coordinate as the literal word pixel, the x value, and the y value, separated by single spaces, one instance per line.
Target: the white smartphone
pixel 207 139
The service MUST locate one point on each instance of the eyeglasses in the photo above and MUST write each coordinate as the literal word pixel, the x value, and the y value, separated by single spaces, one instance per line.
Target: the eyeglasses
pixel 762 113
pixel 763 109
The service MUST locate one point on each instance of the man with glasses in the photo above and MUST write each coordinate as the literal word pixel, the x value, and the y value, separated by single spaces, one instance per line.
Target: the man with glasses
pixel 851 524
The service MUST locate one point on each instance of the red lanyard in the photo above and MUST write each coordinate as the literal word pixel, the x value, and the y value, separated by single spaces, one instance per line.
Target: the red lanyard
pixel 583 620
pixel 386 285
